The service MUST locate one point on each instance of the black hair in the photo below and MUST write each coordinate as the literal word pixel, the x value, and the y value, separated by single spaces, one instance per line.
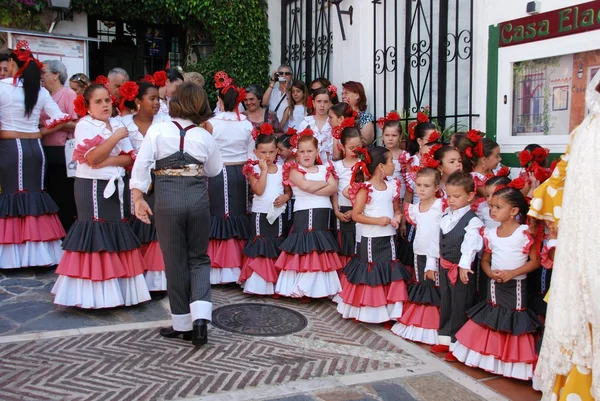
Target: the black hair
pixel 262 139
pixel 173 74
pixel 87 93
pixel 143 87
pixel 515 198
pixel 378 155
pixel 324 82
pixel 470 163
pixel 349 133
pixel 456 138
pixel 533 146
pixel 429 171
pixel 229 98
pixel 31 78
pixel 497 180
pixel 342 109
pixel 285 141
pixel 3 57
pixel 461 179
pixel 441 153
pixel 412 146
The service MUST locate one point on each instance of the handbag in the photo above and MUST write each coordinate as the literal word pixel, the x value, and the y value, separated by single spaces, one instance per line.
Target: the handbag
pixel 70 163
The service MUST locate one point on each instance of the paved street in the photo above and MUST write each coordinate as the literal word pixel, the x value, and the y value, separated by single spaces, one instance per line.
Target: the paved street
pixel 54 353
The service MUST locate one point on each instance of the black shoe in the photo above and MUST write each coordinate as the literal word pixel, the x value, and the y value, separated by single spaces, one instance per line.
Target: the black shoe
pixel 169 332
pixel 200 332
pixel 157 295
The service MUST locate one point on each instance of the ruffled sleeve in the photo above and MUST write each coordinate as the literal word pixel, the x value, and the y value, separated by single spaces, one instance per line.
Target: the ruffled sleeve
pixel 353 190
pixel 52 110
pixel 479 179
pixel 84 148
pixel 331 172
pixel 485 232
pixel 546 261
pixel 398 189
pixel 250 170
pixel 527 239
pixel 287 168
pixel 410 213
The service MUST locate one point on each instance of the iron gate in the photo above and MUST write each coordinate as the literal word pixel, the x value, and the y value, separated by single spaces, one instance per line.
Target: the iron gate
pixel 438 65
pixel 306 38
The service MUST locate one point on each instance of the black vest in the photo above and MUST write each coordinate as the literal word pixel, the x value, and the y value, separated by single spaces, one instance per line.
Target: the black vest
pixel 451 242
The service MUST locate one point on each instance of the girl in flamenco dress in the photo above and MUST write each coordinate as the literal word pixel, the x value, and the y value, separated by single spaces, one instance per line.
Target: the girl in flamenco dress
pixel 309 262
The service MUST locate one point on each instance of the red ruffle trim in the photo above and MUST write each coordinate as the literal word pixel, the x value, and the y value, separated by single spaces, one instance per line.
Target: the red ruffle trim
pixel 486 241
pixel 18 230
pixel 101 266
pixel 545 257
pixel 502 346
pixel 248 169
pixel 398 188
pixel 225 253
pixel 404 159
pixel 354 188
pixel 479 182
pixel 130 153
pixel 287 168
pixel 264 267
pixel 331 172
pixel 423 316
pixel 407 215
pixel 153 257
pixel 56 121
pixel 364 295
pixel 310 262
pixel 396 291
pixel 476 203
pixel 88 144
pixel 530 241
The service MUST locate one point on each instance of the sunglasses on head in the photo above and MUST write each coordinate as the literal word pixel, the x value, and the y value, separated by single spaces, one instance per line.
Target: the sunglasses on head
pixel 77 77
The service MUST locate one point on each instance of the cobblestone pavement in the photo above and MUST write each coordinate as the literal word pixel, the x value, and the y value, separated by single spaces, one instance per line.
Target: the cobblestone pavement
pixel 53 353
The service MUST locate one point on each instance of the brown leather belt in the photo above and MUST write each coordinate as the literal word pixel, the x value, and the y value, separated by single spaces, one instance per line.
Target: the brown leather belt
pixel 19 135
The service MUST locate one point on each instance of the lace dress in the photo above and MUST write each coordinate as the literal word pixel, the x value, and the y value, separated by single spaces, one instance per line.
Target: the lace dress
pixel 567 368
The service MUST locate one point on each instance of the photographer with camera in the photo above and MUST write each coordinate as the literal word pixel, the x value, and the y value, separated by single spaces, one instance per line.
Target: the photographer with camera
pixel 277 99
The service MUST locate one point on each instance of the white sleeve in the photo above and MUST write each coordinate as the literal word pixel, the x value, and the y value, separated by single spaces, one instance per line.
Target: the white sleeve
pixel 145 159
pixel 54 112
pixel 472 243
pixel 433 253
pixel 214 162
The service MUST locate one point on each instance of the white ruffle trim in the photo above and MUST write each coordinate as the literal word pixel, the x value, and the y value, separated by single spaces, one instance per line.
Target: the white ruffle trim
pixel 370 314
pixel 518 370
pixel 308 284
pixel 88 294
pixel 156 280
pixel 29 254
pixel 414 333
pixel 257 285
pixel 224 275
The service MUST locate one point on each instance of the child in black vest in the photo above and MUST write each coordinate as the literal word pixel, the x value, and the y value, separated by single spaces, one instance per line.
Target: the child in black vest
pixel 459 243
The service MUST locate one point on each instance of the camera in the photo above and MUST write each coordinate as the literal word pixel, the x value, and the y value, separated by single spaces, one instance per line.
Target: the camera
pixel 279 77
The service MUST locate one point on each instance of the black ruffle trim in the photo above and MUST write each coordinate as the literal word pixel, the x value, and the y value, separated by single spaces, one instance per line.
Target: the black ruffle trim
pixel 505 320
pixel 424 294
pixel 376 273
pixel 310 241
pixel 96 236
pixel 405 251
pixel 347 242
pixel 536 303
pixel 26 204
pixel 230 227
pixel 265 247
pixel 146 233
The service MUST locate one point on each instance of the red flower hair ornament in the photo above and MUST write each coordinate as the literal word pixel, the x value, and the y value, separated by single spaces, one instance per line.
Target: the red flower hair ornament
pixel 391 116
pixel 24 55
pixel 160 78
pixel 363 157
pixel 148 78
pixel 475 147
pixel 347 122
pixel 518 183
pixel 435 136
pixel 428 161
pixel 102 80
pixel 503 172
pixel 411 130
pixel 296 138
pixel 222 80
pixel 263 129
pixel 332 91
pixel 128 91
pixel 434 148
pixel 79 106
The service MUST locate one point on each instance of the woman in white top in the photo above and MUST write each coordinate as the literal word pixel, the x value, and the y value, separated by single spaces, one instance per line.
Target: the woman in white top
pixel 182 154
pixel 229 191
pixel 147 105
pixel 102 266
pixel 319 124
pixel 297 108
pixel 30 231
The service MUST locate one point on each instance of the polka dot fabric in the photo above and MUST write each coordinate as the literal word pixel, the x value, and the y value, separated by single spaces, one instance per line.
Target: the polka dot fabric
pixel 575 386
pixel 547 198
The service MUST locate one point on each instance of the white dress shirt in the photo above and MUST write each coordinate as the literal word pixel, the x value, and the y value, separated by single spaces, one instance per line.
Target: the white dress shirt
pixel 135 136
pixel 344 176
pixel 233 137
pixel 472 242
pixel 162 140
pixel 273 188
pixel 324 138
pixel 12 108
pixel 508 253
pixel 427 224
pixel 276 96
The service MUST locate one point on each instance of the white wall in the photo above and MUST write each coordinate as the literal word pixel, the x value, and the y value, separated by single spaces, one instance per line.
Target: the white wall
pixel 77 27
pixel 274 23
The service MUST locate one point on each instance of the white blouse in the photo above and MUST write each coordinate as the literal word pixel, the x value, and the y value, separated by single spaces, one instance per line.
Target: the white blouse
pixel 471 245
pixel 12 109
pixel 274 188
pixel 296 116
pixel 380 204
pixel 306 200
pixel 344 175
pixel 233 137
pixel 135 136
pixel 427 223
pixel 508 253
pixel 162 140
pixel 324 138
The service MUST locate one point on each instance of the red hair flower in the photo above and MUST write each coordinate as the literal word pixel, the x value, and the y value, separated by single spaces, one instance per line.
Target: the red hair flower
pixel 79 106
pixel 102 80
pixel 160 78
pixel 474 135
pixel 332 90
pixel 263 129
pixel 422 117
pixel 411 130
pixel 148 78
pixel 310 104
pixel 129 90
pixel 222 80
pixel 363 159
pixel 434 148
pixel 517 183
pixel 306 132
pixel 525 158
pixel 540 154
pixel 291 131
pixel 392 116
pixel 478 150
pixel 347 122
pixel 428 161
pixel 503 172
pixel 434 137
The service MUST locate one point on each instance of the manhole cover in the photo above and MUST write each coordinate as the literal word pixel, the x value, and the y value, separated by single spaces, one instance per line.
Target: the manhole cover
pixel 258 319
